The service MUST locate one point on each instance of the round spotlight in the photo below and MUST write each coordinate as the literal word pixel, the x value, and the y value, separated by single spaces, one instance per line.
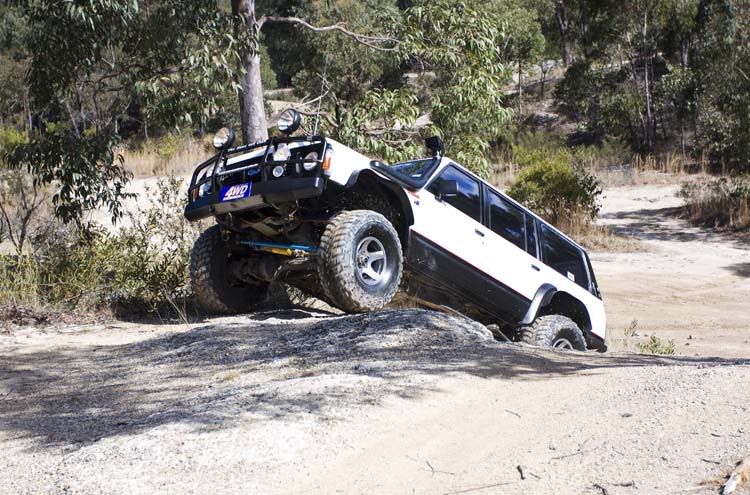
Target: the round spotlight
pixel 277 171
pixel 289 121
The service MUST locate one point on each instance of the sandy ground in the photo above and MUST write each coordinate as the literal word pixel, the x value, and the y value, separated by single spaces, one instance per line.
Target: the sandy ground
pixel 400 402
pixel 691 285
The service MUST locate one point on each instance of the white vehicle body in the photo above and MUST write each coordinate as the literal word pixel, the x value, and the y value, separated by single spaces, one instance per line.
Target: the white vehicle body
pixel 523 280
pixel 468 246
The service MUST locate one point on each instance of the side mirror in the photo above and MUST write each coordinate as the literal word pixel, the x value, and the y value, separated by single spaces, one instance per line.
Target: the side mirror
pixel 224 138
pixel 447 189
pixel 435 145
pixel 289 121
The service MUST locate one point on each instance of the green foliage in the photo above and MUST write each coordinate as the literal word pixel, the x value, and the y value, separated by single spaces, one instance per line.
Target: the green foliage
pixel 379 124
pixel 139 270
pixel 467 99
pixel 525 43
pixel 87 170
pixel 655 345
pixel 149 270
pixel 551 184
pixel 723 75
pixel 10 140
pixel 595 98
pixel 351 69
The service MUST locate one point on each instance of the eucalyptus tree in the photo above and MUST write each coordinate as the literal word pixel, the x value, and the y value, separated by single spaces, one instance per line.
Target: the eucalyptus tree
pixel 101 69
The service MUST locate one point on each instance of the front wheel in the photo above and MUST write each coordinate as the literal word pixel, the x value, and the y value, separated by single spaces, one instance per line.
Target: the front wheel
pixel 555 331
pixel 360 261
pixel 215 288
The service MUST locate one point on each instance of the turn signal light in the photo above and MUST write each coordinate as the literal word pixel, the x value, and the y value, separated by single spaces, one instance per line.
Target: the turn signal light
pixel 327 160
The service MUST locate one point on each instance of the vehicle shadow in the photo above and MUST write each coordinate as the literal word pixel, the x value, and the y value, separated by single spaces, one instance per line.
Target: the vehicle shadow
pixel 255 369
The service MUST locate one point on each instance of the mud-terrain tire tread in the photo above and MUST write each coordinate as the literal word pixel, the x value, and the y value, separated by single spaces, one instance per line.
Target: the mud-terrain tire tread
pixel 545 330
pixel 209 294
pixel 336 245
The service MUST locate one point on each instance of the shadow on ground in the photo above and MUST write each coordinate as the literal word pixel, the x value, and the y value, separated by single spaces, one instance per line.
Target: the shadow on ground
pixel 740 269
pixel 649 224
pixel 263 367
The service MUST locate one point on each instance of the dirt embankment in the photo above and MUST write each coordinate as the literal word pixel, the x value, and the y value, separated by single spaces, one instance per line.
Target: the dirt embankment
pixel 398 401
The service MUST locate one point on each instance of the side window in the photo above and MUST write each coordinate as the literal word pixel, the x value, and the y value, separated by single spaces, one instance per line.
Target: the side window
pixel 564 257
pixel 467 200
pixel 507 220
pixel 531 236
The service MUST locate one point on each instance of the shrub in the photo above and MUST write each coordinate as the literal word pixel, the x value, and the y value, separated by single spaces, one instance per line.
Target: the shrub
pixel 141 269
pixel 149 272
pixel 561 191
pixel 718 202
pixel 655 345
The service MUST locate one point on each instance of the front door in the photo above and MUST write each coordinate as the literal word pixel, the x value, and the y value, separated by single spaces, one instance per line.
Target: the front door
pixel 446 246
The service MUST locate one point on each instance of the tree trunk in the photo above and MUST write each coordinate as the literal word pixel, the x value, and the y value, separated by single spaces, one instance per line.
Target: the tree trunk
pixel 520 92
pixel 646 54
pixel 682 137
pixel 252 108
pixel 563 26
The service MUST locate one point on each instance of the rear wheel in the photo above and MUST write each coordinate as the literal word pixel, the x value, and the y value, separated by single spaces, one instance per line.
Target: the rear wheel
pixel 555 331
pixel 360 261
pixel 215 288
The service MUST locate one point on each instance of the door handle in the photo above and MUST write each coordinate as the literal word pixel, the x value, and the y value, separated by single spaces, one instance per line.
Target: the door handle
pixel 535 268
pixel 479 232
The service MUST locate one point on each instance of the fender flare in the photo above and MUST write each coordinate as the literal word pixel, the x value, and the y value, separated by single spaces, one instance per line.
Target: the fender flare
pixel 543 296
pixel 391 186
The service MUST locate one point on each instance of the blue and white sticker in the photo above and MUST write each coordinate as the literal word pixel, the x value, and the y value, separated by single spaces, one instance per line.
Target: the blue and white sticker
pixel 238 191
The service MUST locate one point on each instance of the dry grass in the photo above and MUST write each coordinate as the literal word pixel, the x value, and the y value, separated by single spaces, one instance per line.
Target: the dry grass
pixel 19 281
pixel 718 202
pixel 170 155
pixel 597 237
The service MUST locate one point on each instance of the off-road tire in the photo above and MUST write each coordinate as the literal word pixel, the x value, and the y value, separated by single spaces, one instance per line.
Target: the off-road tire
pixel 550 330
pixel 212 285
pixel 338 269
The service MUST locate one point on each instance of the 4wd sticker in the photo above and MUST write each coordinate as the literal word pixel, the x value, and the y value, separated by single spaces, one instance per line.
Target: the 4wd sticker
pixel 239 191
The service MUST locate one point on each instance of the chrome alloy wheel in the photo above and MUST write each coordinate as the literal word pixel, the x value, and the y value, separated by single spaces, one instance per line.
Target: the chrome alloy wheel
pixel 371 261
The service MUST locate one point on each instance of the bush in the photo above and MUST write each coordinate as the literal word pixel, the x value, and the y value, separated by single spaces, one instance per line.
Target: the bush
pixel 718 202
pixel 553 185
pixel 142 269
pixel 655 345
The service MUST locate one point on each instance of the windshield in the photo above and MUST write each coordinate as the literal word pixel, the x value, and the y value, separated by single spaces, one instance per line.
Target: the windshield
pixel 414 169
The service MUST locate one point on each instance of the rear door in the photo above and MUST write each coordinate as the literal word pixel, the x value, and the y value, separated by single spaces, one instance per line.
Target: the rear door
pixel 511 246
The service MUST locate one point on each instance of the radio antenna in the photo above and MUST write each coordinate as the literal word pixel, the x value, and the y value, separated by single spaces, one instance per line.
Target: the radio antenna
pixel 322 94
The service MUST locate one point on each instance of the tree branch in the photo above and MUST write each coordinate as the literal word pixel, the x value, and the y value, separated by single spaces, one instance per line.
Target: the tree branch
pixel 374 42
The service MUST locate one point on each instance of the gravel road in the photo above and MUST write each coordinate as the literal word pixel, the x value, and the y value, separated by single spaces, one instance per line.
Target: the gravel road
pixel 397 401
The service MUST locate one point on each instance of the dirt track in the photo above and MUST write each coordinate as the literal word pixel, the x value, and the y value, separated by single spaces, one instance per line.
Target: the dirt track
pixel 689 282
pixel 397 402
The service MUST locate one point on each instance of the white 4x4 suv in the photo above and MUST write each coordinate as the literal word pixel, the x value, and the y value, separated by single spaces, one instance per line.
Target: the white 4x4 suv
pixel 319 216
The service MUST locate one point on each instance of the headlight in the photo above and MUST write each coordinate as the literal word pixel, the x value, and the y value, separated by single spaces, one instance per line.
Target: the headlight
pixel 310 166
pixel 203 190
pixel 282 153
pixel 278 171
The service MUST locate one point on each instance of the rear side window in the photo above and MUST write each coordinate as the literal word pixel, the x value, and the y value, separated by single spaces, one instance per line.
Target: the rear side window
pixel 467 200
pixel 559 254
pixel 507 220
